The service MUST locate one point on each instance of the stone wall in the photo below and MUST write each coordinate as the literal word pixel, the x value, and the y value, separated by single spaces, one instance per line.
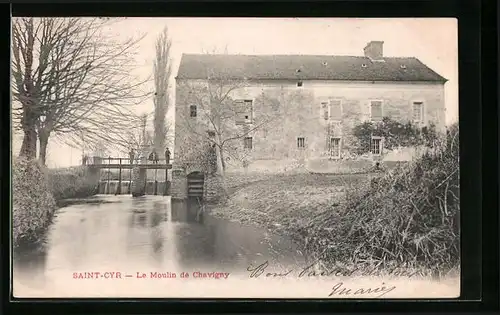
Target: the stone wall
pixel 212 189
pixel 138 181
pixel 178 187
pixel 297 112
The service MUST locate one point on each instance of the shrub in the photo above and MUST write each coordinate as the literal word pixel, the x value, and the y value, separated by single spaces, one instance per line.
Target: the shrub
pixel 407 217
pixel 33 203
pixel 71 183
pixel 395 134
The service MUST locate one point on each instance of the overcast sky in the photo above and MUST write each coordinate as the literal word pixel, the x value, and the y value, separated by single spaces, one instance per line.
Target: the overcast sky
pixel 433 41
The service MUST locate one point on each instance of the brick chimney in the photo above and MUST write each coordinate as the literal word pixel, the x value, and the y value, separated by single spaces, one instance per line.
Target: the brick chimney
pixel 374 50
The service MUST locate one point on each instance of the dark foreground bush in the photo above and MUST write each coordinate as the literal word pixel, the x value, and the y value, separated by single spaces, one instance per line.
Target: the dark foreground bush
pixel 33 203
pixel 71 183
pixel 408 217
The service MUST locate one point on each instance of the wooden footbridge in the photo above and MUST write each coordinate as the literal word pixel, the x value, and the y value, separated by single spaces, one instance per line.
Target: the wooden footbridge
pixel 95 164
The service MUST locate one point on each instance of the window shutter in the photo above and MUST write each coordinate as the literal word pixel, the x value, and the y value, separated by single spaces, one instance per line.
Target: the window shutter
pixel 376 110
pixel 335 109
pixel 325 111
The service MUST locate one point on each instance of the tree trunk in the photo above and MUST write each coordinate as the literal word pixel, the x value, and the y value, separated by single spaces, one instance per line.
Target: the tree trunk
pixel 221 169
pixel 220 162
pixel 29 118
pixel 28 147
pixel 43 137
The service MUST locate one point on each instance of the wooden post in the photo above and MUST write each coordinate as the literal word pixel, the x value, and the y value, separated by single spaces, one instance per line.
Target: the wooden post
pixel 165 188
pixel 119 188
pixel 146 181
pixel 109 173
pixel 156 183
pixel 130 178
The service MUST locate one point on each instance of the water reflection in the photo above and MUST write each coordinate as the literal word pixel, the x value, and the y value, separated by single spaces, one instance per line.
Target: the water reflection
pixel 148 233
pixel 29 266
pixel 190 210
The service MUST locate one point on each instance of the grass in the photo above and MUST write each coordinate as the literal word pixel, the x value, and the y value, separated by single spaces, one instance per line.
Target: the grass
pixel 410 218
pixel 406 218
pixel 284 201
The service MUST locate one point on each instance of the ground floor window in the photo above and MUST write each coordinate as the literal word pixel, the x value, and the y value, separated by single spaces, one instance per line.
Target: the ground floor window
pixel 376 145
pixel 301 142
pixel 334 147
pixel 247 143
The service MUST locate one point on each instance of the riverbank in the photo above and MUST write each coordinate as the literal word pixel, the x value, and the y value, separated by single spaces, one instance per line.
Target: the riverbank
pixel 282 202
pixel 69 183
pixel 37 192
pixel 408 218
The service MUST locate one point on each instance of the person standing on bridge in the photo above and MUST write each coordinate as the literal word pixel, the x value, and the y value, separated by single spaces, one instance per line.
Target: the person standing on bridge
pixel 153 156
pixel 85 159
pixel 167 156
pixel 131 155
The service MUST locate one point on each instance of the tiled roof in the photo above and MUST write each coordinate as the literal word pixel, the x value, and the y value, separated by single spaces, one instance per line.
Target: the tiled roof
pixel 305 67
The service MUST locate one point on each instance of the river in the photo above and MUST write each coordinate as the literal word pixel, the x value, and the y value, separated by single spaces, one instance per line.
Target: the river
pixel 132 236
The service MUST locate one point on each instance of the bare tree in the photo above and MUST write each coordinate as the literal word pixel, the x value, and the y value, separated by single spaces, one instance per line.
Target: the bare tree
pixel 139 138
pixel 162 73
pixel 100 149
pixel 219 120
pixel 71 78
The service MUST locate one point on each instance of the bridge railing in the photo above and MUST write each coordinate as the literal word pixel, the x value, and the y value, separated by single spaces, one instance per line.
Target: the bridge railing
pixel 95 160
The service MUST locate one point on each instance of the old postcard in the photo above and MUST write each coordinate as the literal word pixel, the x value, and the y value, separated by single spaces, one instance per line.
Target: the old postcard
pixel 235 158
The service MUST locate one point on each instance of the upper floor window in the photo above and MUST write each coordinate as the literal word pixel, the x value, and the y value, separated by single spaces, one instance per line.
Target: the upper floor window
pixel 301 142
pixel 376 110
pixel 193 111
pixel 376 146
pixel 244 111
pixel 418 112
pixel 332 110
pixel 247 143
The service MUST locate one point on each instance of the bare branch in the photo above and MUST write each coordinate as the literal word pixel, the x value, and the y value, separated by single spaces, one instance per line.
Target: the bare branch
pixel 220 119
pixel 81 78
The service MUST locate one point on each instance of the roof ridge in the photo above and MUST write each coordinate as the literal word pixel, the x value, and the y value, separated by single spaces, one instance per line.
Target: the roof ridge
pixel 292 55
pixel 330 67
pixel 273 55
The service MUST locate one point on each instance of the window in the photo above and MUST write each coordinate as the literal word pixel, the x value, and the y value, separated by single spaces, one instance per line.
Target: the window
pixel 418 111
pixel 332 110
pixel 376 145
pixel 376 110
pixel 335 110
pixel 247 143
pixel 244 111
pixel 192 111
pixel 334 147
pixel 301 142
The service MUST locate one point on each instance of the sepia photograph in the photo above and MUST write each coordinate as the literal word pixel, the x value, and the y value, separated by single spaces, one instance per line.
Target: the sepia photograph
pixel 271 158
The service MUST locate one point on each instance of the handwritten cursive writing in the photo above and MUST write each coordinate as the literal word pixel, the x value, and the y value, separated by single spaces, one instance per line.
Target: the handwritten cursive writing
pixel 255 272
pixel 310 271
pixel 339 289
